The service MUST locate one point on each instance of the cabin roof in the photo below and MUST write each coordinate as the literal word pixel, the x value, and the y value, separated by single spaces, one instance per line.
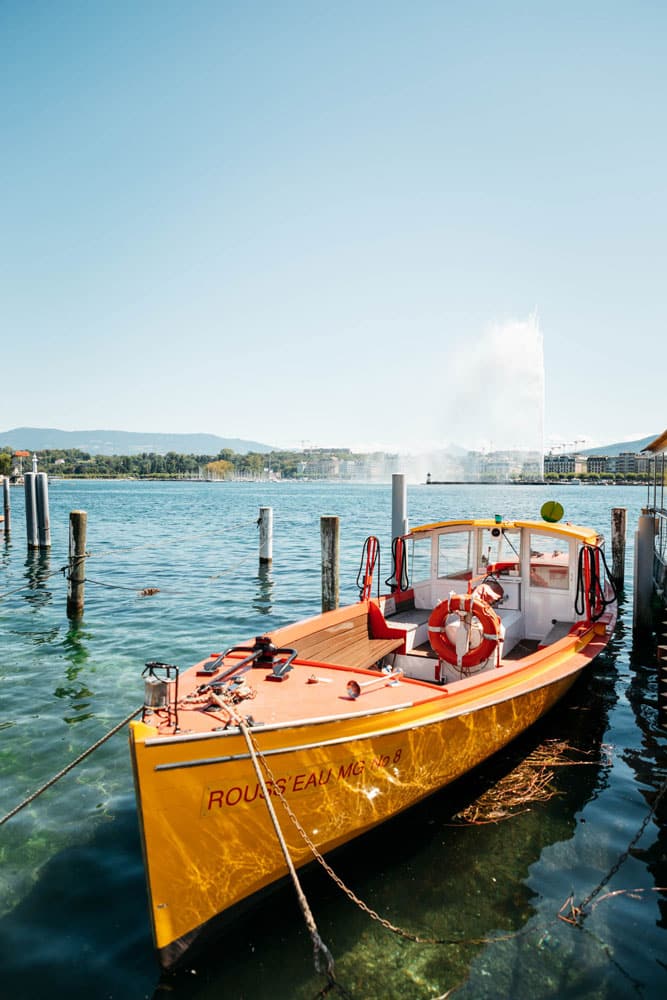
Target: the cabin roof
pixel 567 530
pixel 659 444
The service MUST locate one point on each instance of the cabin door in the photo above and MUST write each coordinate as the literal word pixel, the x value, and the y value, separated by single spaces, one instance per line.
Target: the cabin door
pixel 549 582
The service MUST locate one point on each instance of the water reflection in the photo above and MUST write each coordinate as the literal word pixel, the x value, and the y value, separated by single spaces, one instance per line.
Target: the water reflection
pixel 69 931
pixel 599 958
pixel 75 644
pixel 56 938
pixel 37 574
pixel 648 762
pixel 432 876
pixel 263 599
pixel 79 695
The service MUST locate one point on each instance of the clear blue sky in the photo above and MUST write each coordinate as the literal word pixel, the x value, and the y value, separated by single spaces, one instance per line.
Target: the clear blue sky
pixel 280 220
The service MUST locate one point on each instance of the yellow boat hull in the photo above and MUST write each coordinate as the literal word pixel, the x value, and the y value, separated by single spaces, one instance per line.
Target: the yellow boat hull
pixel 354 717
pixel 207 834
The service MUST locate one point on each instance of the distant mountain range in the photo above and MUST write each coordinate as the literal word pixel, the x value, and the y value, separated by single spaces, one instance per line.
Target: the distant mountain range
pixel 136 443
pixel 124 442
pixel 616 449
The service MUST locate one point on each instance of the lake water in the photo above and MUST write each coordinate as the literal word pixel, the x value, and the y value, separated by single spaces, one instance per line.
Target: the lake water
pixel 73 914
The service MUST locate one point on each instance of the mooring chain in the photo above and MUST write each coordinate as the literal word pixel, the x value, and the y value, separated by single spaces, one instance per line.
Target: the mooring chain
pixel 160 543
pixel 42 579
pixel 577 913
pixel 66 571
pixel 142 591
pixel 72 564
pixel 230 569
pixel 387 924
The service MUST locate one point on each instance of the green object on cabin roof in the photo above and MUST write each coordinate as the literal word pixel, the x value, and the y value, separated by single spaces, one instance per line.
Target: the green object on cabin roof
pixel 552 511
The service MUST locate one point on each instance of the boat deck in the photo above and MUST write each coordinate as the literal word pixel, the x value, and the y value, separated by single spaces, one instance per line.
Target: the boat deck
pixel 311 690
pixel 330 678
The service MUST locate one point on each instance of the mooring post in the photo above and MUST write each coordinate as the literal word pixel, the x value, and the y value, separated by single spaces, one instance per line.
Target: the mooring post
pixel 399 505
pixel 42 504
pixel 399 519
pixel 77 563
pixel 31 510
pixel 265 535
pixel 642 619
pixel 618 526
pixel 7 506
pixel 329 533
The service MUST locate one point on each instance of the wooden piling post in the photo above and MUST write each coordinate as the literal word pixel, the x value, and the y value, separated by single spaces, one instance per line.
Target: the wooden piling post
pixel 329 534
pixel 7 506
pixel 77 563
pixel 265 536
pixel 642 619
pixel 618 526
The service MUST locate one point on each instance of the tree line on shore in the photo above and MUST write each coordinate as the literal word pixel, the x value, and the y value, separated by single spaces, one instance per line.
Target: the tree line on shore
pixel 227 464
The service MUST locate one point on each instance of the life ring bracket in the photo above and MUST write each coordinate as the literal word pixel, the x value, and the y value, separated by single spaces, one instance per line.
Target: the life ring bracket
pixel 467 606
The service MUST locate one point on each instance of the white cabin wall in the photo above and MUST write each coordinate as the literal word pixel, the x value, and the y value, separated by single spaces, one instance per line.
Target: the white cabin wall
pixel 542 605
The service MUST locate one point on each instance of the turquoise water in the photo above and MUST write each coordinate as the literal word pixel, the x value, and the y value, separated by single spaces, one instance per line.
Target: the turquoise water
pixel 73 916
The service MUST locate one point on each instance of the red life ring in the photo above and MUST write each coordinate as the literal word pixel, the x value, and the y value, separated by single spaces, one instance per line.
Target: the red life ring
pixel 468 604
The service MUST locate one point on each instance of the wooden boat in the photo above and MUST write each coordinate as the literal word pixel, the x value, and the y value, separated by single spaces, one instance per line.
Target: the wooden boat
pixel 339 722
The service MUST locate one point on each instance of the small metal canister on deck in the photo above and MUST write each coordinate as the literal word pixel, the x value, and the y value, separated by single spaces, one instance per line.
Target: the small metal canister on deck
pixel 161 689
pixel 156 692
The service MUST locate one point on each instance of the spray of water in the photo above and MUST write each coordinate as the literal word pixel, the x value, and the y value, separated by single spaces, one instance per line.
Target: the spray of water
pixel 497 401
pixel 493 406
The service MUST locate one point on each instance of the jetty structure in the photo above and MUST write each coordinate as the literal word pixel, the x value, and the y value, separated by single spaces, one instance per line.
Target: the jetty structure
pixel 651 568
pixel 651 542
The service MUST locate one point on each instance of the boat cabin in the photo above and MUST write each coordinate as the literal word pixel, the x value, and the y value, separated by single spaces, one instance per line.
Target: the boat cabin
pixel 534 567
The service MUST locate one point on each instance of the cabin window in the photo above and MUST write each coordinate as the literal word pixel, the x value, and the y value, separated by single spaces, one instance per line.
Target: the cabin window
pixel 420 559
pixel 549 562
pixel 455 561
pixel 500 551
